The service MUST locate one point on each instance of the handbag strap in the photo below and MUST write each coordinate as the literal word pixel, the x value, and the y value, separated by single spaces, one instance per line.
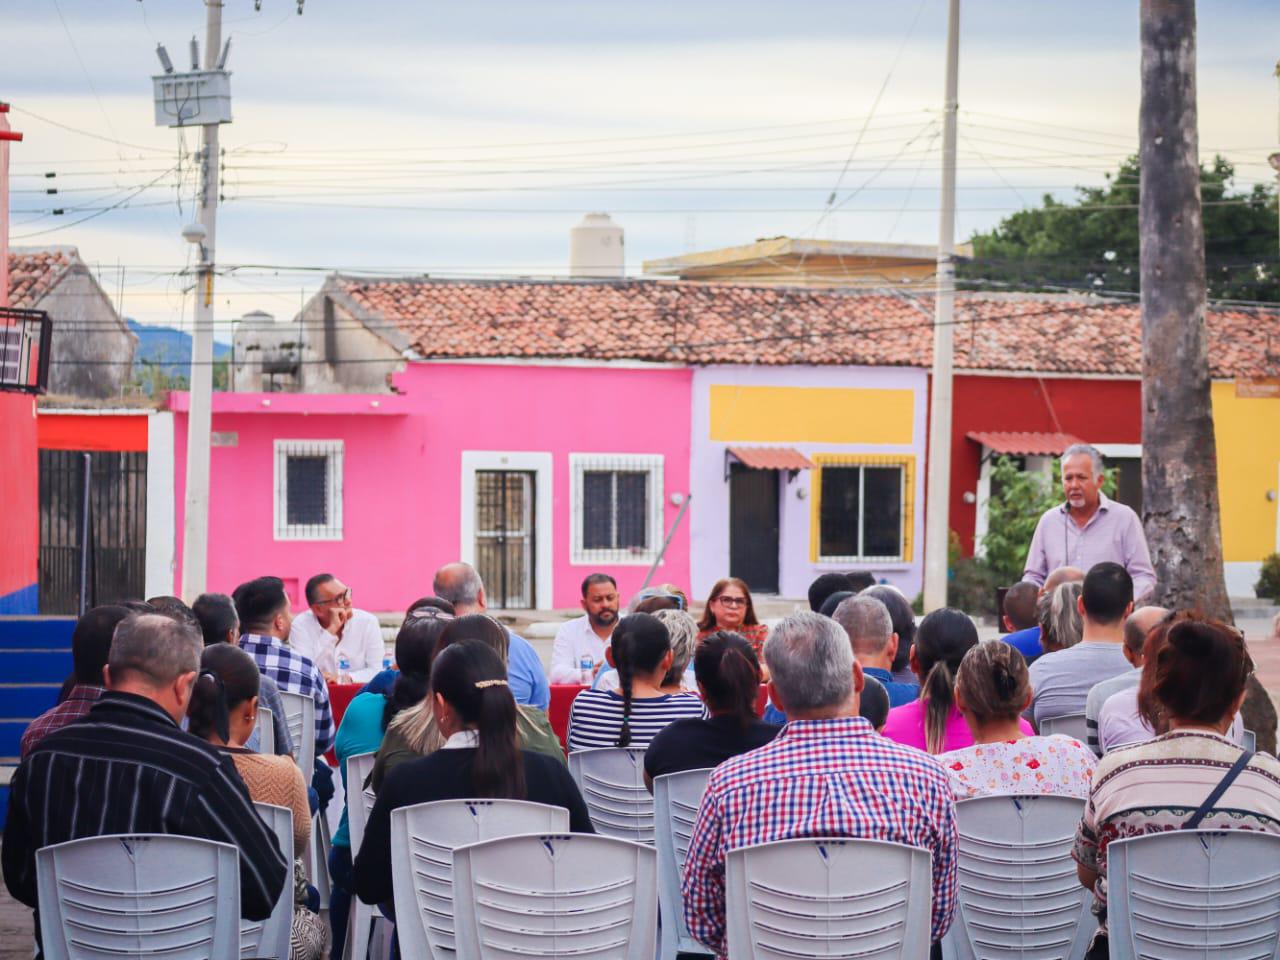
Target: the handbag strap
pixel 1203 811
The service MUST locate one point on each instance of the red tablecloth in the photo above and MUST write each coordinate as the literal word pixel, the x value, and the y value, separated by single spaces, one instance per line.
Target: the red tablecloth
pixel 340 697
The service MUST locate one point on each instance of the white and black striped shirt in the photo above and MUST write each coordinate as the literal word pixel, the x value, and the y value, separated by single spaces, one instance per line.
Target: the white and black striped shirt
pixel 595 719
pixel 126 768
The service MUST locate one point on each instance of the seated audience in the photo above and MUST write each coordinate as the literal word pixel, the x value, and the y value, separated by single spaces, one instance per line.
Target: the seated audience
pixel 414 733
pixel 825 774
pixel 473 706
pixel 1136 627
pixel 873 703
pixel 904 625
pixel 867 622
pixel 829 605
pixel 1061 680
pixel 90 647
pixel 127 767
pixel 729 607
pixel 933 723
pixel 1019 617
pixel 173 607
pixel 860 580
pixel 579 645
pixel 728 675
pixel 216 615
pixel 1122 720
pixel 993 687
pixel 825 585
pixel 633 714
pixel 1063 626
pixel 1193 686
pixel 682 629
pixel 331 628
pixel 223 712
pixel 383 679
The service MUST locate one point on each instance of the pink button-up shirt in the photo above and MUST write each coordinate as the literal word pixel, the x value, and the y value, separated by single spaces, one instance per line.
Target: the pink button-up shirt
pixel 1113 533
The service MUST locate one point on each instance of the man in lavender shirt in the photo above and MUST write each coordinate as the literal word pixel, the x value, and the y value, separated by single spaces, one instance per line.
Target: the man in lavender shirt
pixel 1089 528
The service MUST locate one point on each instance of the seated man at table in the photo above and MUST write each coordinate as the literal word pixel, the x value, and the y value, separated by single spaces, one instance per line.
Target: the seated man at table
pixel 826 774
pixel 331 628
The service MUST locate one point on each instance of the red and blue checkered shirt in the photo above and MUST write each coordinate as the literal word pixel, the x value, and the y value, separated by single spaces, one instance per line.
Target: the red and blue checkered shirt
pixel 820 778
pixel 81 697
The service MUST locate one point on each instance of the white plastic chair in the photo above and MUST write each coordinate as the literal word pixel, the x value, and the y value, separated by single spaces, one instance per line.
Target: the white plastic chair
pixel 612 783
pixel 1071 724
pixel 359 803
pixel 270 937
pixel 556 895
pixel 839 897
pixel 423 838
pixel 1017 892
pixel 300 718
pixel 1194 895
pixel 266 731
pixel 676 798
pixel 142 895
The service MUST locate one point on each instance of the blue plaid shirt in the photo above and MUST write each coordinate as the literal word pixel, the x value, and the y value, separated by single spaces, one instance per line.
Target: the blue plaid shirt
pixel 293 673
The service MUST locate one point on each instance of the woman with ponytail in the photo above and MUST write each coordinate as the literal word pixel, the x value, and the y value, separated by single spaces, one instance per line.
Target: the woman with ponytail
pixel 632 714
pixel 223 711
pixel 481 758
pixel 933 723
pixel 728 674
pixel 992 689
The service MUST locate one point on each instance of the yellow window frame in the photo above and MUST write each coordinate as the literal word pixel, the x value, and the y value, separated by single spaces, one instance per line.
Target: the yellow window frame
pixel 908 464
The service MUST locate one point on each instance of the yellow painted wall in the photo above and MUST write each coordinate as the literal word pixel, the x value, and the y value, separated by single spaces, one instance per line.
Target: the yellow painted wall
pixel 811 415
pixel 1248 439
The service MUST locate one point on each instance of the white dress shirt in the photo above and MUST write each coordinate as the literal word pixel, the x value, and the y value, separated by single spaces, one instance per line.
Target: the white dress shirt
pixel 574 640
pixel 361 641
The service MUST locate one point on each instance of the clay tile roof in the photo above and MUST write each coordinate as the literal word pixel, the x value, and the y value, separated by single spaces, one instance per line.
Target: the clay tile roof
pixel 34 272
pixel 718 323
pixel 771 458
pixel 1026 444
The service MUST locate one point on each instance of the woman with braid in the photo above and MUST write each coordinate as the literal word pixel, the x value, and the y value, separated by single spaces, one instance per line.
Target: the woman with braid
pixel 992 689
pixel 633 713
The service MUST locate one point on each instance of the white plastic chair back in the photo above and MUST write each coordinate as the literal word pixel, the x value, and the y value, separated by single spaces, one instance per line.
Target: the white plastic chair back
pixel 612 783
pixel 423 838
pixel 1194 895
pixel 137 896
pixel 1018 896
pixel 266 731
pixel 1072 724
pixel 1249 741
pixel 676 798
pixel 270 937
pixel 839 897
pixel 300 718
pixel 556 895
pixel 359 804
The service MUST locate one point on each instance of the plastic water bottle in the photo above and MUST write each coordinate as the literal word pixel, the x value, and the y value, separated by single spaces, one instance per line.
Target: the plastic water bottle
pixel 344 668
pixel 586 669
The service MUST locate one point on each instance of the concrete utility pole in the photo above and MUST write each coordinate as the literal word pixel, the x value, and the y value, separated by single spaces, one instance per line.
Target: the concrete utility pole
pixel 937 523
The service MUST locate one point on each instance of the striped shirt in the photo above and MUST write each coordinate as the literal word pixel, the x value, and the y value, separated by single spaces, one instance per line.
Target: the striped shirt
pixel 595 719
pixel 819 778
pixel 293 673
pixel 127 769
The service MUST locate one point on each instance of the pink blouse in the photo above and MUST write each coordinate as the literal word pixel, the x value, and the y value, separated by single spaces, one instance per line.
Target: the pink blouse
pixel 906 726
pixel 1032 765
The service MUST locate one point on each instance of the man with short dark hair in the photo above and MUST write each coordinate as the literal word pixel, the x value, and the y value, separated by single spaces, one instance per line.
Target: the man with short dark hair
pixel 332 628
pixel 90 646
pixel 826 774
pixel 127 768
pixel 1061 680
pixel 867 622
pixel 824 586
pixel 578 650
pixel 1020 619
pixel 265 618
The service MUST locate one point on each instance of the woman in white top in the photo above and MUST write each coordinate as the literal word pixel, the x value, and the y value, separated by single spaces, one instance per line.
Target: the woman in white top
pixel 992 688
pixel 632 715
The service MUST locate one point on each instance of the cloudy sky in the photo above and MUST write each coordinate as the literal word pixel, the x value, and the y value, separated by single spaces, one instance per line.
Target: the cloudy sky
pixel 467 138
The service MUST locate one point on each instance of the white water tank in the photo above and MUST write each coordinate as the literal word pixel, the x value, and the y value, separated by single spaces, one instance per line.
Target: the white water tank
pixel 595 248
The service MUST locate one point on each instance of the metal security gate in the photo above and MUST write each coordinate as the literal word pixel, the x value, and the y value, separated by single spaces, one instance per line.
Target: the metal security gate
pixel 753 527
pixel 505 525
pixel 117 530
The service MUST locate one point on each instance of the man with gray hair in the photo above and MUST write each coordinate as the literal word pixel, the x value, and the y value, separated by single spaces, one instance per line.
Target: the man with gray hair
pixel 867 622
pixel 460 584
pixel 826 774
pixel 1089 527
pixel 127 768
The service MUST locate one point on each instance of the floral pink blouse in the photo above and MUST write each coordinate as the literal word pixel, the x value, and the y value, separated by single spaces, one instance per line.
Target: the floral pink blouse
pixel 1059 765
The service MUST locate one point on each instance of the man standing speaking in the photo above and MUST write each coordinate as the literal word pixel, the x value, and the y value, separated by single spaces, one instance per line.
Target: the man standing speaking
pixel 1089 528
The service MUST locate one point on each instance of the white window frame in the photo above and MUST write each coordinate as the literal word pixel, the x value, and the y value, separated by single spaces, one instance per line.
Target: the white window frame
pixel 862 513
pixel 651 463
pixel 334 450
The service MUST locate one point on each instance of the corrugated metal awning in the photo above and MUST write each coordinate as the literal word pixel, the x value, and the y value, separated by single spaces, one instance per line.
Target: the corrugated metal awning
pixel 1023 443
pixel 771 458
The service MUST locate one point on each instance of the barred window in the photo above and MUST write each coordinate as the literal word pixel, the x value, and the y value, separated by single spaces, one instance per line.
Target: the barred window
pixel 308 485
pixel 617 507
pixel 863 509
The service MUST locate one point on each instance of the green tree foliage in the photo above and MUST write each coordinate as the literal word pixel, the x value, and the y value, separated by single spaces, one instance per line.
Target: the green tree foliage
pixel 1092 242
pixel 1268 585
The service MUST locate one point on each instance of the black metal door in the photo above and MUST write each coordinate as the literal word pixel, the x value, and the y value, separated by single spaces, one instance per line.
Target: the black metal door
pixel 753 527
pixel 117 528
pixel 505 537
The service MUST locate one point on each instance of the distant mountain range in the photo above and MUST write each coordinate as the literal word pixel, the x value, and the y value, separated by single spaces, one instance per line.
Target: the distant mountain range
pixel 168 347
